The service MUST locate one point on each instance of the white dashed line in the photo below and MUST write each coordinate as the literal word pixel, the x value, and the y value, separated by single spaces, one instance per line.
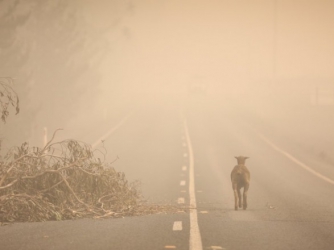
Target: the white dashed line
pixel 177 226
pixel 184 168
pixel 195 240
pixel 182 183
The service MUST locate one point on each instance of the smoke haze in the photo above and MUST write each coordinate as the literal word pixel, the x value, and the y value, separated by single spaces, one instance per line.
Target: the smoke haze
pixel 90 61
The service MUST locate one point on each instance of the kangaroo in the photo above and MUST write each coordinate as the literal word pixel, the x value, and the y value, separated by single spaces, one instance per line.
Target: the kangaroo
pixel 240 178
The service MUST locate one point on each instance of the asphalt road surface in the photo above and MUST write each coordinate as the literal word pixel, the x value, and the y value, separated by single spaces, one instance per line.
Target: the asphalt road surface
pixel 185 153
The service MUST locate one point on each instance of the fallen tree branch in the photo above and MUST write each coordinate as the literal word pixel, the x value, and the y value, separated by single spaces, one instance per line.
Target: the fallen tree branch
pixel 9 185
pixel 68 183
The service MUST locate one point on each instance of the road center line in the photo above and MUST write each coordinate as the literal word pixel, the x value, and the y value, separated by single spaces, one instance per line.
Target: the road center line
pixel 195 240
pixel 106 135
pixel 298 162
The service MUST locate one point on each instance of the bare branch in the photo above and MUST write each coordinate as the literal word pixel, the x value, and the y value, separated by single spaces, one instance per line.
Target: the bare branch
pixel 9 185
pixel 53 136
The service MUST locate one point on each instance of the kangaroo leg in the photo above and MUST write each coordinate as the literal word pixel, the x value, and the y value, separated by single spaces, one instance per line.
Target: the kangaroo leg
pixel 245 196
pixel 235 199
pixel 240 197
pixel 235 188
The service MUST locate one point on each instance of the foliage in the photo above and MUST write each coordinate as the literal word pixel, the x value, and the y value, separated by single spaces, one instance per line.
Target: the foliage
pixel 63 180
pixel 8 97
pixel 49 48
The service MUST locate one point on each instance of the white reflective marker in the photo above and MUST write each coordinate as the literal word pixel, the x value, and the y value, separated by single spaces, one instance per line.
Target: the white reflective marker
pixel 180 200
pixel 177 226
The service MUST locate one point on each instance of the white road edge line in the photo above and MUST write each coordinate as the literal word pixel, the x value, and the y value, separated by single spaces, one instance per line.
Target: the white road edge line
pixel 298 162
pixel 195 240
pixel 106 135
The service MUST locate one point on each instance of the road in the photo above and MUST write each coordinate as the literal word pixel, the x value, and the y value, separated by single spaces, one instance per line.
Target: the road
pixel 290 207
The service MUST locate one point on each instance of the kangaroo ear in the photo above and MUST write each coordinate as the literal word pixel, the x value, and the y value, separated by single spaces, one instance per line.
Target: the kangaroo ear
pixel 246 157
pixel 236 157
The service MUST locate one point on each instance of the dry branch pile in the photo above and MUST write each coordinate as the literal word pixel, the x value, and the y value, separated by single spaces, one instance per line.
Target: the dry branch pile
pixel 63 180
